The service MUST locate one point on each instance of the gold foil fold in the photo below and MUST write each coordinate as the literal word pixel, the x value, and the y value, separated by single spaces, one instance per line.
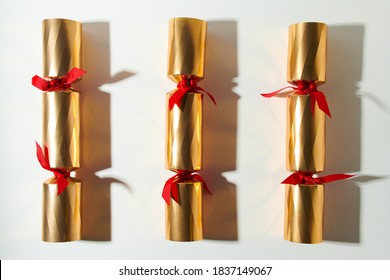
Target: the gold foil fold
pixel 61 128
pixel 184 134
pixel 61 46
pixel 61 214
pixel 305 135
pixel 307 52
pixel 184 220
pixel 304 211
pixel 186 51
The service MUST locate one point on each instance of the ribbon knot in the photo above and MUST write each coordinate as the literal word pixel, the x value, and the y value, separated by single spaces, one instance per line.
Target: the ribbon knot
pixel 184 86
pixel 303 178
pixel 310 88
pixel 60 175
pixel 171 188
pixel 57 83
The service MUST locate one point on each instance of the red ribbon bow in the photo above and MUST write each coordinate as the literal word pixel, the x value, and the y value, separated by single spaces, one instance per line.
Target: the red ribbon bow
pixel 43 158
pixel 58 83
pixel 304 87
pixel 183 87
pixel 308 179
pixel 171 186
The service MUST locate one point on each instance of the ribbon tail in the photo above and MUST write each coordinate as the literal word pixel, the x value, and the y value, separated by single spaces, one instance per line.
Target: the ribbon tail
pixel 74 74
pixel 39 82
pixel 209 94
pixel 322 103
pixel 171 190
pixel 62 184
pixel 200 179
pixel 293 179
pixel 333 177
pixel 42 158
pixel 271 94
pixel 176 97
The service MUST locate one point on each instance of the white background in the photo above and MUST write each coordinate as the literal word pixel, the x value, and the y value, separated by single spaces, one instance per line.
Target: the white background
pixel 123 105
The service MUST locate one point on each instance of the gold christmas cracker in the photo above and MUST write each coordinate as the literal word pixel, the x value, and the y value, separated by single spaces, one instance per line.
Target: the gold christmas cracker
pixel 186 54
pixel 61 211
pixel 305 132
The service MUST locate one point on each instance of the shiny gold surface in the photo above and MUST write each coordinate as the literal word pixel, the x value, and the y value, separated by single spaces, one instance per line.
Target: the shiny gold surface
pixel 186 51
pixel 305 135
pixel 304 211
pixel 61 214
pixel 184 134
pixel 61 46
pixel 307 52
pixel 184 220
pixel 61 128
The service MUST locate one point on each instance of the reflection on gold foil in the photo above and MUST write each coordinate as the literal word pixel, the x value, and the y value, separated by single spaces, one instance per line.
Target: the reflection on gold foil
pixel 186 49
pixel 184 219
pixel 61 214
pixel 307 52
pixel 305 135
pixel 61 128
pixel 61 46
pixel 304 210
pixel 184 134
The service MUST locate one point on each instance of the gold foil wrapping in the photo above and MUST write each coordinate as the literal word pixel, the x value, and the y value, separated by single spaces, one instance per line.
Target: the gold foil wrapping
pixel 184 134
pixel 61 214
pixel 61 128
pixel 61 131
pixel 305 135
pixel 184 220
pixel 307 52
pixel 61 46
pixel 186 51
pixel 304 210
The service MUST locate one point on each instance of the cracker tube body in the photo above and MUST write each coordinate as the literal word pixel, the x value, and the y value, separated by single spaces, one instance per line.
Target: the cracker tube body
pixel 305 132
pixel 184 218
pixel 304 211
pixel 305 135
pixel 186 54
pixel 61 213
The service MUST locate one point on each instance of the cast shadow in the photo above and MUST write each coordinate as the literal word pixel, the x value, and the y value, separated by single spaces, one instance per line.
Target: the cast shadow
pixel 220 131
pixel 95 131
pixel 343 143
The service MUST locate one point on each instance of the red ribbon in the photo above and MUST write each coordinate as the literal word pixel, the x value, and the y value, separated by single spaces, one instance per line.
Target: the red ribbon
pixel 183 87
pixel 308 179
pixel 171 186
pixel 304 87
pixel 43 158
pixel 58 83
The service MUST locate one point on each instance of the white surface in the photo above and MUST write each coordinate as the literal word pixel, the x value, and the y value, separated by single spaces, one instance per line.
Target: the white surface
pixel 244 157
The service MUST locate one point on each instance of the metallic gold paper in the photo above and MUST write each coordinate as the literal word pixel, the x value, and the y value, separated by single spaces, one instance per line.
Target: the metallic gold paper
pixel 61 46
pixel 61 128
pixel 184 134
pixel 304 211
pixel 184 220
pixel 186 51
pixel 305 135
pixel 61 214
pixel 307 52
